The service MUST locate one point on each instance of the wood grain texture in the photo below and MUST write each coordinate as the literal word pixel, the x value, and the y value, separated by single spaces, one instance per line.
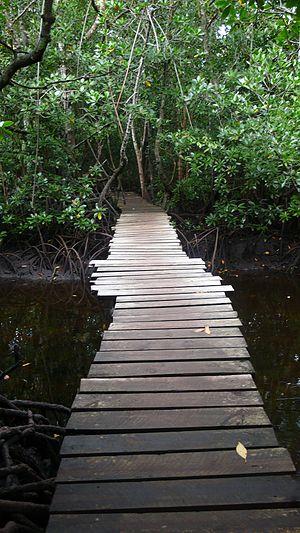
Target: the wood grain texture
pixel 166 384
pixel 236 521
pixel 164 419
pixel 164 400
pixel 174 465
pixel 171 355
pixel 130 369
pixel 179 494
pixel 170 344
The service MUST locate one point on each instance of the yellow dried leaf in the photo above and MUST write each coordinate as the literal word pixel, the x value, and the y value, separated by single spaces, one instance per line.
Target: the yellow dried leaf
pixel 207 330
pixel 199 330
pixel 241 451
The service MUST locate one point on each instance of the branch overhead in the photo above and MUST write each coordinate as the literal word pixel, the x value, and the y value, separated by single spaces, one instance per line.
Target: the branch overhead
pixel 36 55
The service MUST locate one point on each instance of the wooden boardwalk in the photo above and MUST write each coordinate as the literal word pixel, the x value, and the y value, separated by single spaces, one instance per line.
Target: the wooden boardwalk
pixel 151 439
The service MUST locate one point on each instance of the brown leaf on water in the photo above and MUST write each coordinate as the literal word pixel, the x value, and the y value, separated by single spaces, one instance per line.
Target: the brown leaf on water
pixel 207 330
pixel 241 451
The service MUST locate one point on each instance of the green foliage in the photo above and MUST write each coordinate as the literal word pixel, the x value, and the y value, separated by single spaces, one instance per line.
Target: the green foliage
pixel 217 118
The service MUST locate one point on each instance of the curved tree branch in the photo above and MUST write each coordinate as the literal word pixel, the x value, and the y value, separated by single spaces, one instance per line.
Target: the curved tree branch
pixel 36 55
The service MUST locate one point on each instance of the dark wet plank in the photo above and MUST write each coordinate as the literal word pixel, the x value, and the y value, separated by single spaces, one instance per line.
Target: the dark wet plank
pixel 174 465
pixel 177 494
pixel 205 439
pixel 246 520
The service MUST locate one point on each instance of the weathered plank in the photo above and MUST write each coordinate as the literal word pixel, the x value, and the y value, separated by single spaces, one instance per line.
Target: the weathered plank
pixel 164 419
pixel 93 402
pixel 175 333
pixel 152 314
pixel 205 439
pixel 176 494
pixel 172 355
pixel 171 344
pixel 167 384
pixel 199 295
pixel 174 465
pixel 175 324
pixel 236 521
pixel 130 369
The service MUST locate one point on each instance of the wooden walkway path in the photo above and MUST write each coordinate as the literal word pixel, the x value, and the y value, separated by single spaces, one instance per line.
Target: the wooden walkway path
pixel 152 436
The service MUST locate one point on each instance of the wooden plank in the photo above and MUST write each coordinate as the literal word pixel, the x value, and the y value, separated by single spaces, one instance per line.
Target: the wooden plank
pixel 175 324
pixel 146 274
pixel 176 494
pixel 154 275
pixel 158 281
pixel 192 308
pixel 129 369
pixel 168 384
pixel 171 355
pixel 128 302
pixel 127 269
pixel 164 261
pixel 236 521
pixel 174 465
pixel 197 295
pixel 190 313
pixel 109 290
pixel 164 419
pixel 124 443
pixel 175 333
pixel 170 344
pixel 94 402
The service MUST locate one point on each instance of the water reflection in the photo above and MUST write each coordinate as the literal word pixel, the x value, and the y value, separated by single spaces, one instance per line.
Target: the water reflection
pixel 269 307
pixel 58 330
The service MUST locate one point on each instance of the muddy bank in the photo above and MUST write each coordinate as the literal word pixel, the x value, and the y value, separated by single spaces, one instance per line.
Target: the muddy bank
pixel 58 260
pixel 246 252
pixel 221 252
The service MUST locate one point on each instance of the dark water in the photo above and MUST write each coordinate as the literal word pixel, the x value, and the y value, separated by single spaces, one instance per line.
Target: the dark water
pixel 59 332
pixel 58 329
pixel 269 307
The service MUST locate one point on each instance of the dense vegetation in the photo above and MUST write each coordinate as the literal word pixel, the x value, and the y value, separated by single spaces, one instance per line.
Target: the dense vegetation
pixel 200 100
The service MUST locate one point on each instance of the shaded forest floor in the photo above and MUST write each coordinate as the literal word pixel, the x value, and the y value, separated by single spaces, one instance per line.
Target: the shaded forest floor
pixel 222 252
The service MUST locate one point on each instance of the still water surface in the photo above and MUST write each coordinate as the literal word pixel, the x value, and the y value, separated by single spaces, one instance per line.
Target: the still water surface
pixel 59 330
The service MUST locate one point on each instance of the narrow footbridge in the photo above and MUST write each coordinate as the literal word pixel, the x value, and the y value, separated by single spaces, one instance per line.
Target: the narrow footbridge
pixel 151 441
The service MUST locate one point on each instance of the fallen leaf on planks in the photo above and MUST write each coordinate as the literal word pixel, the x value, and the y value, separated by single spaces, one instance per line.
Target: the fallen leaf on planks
pixel 207 330
pixel 201 330
pixel 241 451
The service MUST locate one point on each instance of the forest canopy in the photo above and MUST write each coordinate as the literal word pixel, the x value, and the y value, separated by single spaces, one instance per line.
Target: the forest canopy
pixel 192 103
